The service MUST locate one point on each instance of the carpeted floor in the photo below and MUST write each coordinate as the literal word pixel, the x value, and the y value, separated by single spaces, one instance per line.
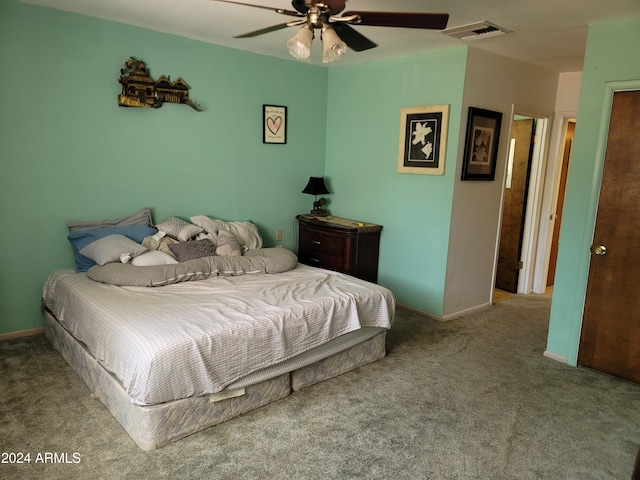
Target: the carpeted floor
pixel 471 398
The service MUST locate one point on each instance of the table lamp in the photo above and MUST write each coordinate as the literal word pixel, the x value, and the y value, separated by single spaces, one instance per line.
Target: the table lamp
pixel 317 187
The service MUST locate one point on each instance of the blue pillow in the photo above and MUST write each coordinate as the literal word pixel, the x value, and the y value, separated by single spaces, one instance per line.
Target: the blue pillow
pixel 82 238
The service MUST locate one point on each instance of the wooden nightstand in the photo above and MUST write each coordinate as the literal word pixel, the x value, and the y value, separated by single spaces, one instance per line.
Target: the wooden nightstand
pixel 340 244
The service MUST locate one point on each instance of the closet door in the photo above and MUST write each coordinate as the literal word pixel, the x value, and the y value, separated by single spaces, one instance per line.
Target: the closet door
pixel 610 337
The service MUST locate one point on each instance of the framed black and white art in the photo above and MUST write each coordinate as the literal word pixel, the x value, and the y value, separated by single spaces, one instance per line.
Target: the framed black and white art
pixel 481 147
pixel 423 139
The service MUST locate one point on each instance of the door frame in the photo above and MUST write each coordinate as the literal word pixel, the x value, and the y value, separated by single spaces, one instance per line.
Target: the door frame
pixel 534 197
pixel 550 195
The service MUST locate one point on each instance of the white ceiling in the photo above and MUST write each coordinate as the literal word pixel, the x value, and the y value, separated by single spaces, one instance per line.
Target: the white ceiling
pixel 547 33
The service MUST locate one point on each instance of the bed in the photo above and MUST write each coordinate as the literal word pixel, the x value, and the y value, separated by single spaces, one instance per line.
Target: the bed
pixel 210 341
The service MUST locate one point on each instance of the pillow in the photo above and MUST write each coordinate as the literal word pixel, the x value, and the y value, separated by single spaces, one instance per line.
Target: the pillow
pixel 246 232
pixel 154 242
pixel 82 238
pixel 193 249
pixel 154 257
pixel 255 262
pixel 112 248
pixel 179 229
pixel 227 244
pixel 141 217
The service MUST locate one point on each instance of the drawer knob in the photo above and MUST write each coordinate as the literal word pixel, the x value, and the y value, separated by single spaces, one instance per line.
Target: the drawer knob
pixel 315 242
pixel 315 260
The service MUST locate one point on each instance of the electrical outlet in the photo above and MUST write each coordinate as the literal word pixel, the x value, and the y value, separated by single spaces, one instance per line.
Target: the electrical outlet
pixel 279 236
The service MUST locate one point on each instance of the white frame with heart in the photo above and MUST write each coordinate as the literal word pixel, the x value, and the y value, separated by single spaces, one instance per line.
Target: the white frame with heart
pixel 274 124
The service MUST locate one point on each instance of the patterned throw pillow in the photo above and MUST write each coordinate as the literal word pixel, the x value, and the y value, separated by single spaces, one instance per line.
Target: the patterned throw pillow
pixel 179 229
pixel 160 241
pixel 227 244
pixel 193 249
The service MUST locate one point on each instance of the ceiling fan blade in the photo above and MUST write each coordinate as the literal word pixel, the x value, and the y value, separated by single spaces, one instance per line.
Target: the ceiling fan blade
pixel 291 13
pixel 273 28
pixel 435 21
pixel 354 39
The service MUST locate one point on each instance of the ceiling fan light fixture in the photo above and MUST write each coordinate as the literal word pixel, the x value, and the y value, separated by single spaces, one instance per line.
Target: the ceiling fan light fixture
pixel 336 32
pixel 332 46
pixel 300 44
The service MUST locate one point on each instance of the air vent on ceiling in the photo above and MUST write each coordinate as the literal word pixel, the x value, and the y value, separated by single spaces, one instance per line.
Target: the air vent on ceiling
pixel 476 31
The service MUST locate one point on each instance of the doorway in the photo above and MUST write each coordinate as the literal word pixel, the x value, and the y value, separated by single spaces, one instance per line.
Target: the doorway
pixel 514 202
pixel 557 215
pixel 521 200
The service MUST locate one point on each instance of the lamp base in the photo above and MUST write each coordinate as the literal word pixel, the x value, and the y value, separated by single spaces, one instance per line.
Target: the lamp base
pixel 319 213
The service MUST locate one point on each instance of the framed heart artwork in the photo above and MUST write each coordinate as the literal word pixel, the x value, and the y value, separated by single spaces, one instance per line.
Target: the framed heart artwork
pixel 274 124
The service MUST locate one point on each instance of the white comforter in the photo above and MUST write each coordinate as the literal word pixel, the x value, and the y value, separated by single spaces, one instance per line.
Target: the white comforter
pixel 194 338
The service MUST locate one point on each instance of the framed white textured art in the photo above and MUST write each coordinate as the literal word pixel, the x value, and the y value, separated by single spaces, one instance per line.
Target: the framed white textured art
pixel 423 139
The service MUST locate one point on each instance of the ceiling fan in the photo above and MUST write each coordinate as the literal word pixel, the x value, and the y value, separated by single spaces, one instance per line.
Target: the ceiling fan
pixel 336 31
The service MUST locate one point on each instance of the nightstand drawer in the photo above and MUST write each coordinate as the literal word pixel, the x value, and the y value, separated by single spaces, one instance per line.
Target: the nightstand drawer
pixel 321 260
pixel 315 241
pixel 339 244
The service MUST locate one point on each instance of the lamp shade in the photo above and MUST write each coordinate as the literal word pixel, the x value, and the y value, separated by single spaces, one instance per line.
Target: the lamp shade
pixel 300 44
pixel 332 46
pixel 316 186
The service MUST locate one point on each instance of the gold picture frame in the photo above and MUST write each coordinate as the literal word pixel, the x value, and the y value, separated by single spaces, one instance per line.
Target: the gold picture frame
pixel 423 139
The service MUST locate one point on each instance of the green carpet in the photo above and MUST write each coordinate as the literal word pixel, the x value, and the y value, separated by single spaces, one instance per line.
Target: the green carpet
pixel 471 398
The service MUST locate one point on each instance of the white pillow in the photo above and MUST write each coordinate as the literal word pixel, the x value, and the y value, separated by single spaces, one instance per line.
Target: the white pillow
pixel 110 248
pixel 154 257
pixel 246 232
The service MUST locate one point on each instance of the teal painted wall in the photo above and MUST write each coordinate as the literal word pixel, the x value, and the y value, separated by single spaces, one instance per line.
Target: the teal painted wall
pixel 612 55
pixel 67 151
pixel 362 159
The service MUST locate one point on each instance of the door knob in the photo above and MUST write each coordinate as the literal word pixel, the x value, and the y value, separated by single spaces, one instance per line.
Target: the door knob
pixel 600 250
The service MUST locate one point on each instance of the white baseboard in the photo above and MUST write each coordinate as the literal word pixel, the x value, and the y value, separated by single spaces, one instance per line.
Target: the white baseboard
pixel 444 318
pixel 466 312
pixel 555 356
pixel 419 312
pixel 21 333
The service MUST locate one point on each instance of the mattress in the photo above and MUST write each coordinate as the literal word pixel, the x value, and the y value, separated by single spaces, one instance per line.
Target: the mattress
pixel 319 324
pixel 198 338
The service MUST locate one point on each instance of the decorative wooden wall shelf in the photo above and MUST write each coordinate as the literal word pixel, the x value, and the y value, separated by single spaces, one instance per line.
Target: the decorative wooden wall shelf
pixel 140 90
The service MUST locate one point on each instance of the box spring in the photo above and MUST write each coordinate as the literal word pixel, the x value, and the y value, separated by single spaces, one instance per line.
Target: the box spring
pixel 154 426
